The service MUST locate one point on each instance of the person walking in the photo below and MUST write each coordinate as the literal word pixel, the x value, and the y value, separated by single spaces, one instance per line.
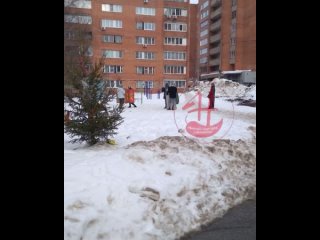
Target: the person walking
pixel 120 94
pixel 172 96
pixel 165 94
pixel 130 97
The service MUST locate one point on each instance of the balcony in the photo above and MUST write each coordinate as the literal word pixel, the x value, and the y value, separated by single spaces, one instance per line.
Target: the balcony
pixel 232 48
pixel 215 26
pixel 214 62
pixel 215 38
pixel 214 50
pixel 216 14
pixel 215 3
pixel 232 60
pixel 234 8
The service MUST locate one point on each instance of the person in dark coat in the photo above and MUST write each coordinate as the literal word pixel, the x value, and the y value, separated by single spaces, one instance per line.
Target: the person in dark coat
pixel 172 97
pixel 165 94
pixel 211 96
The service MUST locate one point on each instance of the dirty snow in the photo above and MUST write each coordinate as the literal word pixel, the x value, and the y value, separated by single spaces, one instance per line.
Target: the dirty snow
pixel 228 89
pixel 158 182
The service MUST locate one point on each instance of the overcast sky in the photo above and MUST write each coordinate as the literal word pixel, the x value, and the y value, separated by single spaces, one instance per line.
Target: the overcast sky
pixel 193 1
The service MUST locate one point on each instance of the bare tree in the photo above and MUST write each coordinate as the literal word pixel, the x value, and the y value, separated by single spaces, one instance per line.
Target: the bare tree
pixel 88 98
pixel 77 47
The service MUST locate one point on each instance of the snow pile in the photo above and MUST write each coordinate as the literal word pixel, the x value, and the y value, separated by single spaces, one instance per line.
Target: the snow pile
pixel 227 88
pixel 155 183
pixel 251 93
pixel 159 190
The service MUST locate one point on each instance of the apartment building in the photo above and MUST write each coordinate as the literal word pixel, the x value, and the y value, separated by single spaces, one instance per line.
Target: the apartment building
pixel 145 43
pixel 227 38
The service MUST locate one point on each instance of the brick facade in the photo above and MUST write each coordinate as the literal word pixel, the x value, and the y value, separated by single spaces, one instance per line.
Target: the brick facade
pixel 129 46
pixel 231 36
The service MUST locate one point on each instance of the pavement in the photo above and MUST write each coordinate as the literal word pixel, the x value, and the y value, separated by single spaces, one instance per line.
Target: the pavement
pixel 239 223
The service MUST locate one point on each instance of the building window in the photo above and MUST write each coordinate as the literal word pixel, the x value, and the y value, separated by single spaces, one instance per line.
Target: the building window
pixel 114 83
pixel 112 69
pixel 203 51
pixel 233 41
pixel 176 0
pixel 175 69
pixel 70 35
pixel 143 84
pixel 87 35
pixel 203 60
pixel 204 33
pixel 72 50
pixel 145 40
pixel 175 56
pixel 145 55
pixel 88 67
pixel 204 42
pixel 203 70
pixel 234 2
pixel 78 50
pixel 111 8
pixel 234 14
pixel 145 70
pixel 88 51
pixel 203 24
pixel 204 5
pixel 139 25
pixel 178 27
pixel 112 54
pixel 175 12
pixel 178 83
pixel 233 27
pixel 232 54
pixel 112 38
pixel 108 23
pixel 146 26
pixel 82 19
pixel 175 41
pixel 145 11
pixel 204 14
pixel 77 4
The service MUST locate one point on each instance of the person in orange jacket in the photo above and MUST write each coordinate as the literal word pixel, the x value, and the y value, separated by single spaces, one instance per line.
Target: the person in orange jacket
pixel 130 97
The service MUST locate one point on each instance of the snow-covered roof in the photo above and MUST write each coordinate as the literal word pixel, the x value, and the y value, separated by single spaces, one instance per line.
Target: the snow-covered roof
pixel 235 71
pixel 210 74
pixel 213 74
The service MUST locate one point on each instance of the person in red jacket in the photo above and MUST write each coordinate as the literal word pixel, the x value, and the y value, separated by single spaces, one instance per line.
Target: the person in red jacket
pixel 130 97
pixel 211 96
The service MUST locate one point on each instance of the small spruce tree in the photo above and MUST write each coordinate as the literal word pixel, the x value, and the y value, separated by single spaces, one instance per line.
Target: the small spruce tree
pixel 93 118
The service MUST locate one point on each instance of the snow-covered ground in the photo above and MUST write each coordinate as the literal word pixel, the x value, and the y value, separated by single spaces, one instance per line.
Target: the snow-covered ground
pixel 159 182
